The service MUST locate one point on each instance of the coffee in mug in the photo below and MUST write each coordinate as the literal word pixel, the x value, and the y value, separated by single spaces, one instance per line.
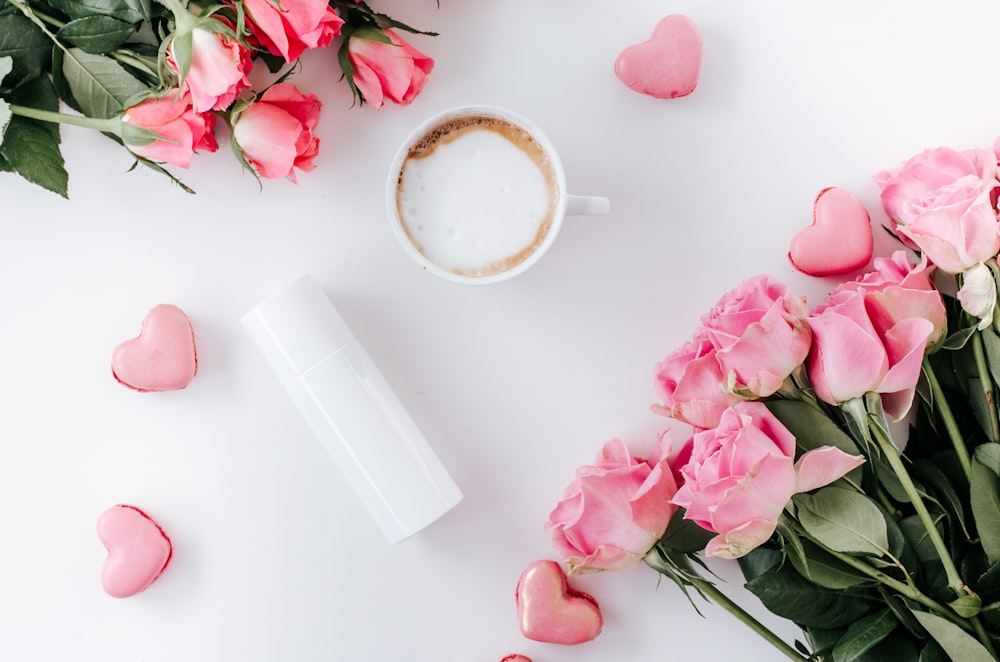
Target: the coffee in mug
pixel 476 194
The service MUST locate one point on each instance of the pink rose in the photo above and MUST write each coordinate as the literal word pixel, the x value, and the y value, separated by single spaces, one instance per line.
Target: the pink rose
pixel 742 474
pixel 745 348
pixel 690 384
pixel 760 335
pixel 182 129
pixel 615 510
pixel 870 343
pixel 395 71
pixel 896 290
pixel 275 132
pixel 289 27
pixel 943 201
pixel 219 67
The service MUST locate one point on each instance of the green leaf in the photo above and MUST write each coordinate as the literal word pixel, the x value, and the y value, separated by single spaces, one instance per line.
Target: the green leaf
pixel 6 64
pixel 99 84
pixel 759 561
pixel 683 535
pixel 888 479
pixel 38 93
pixel 985 499
pixel 129 11
pixel 899 548
pixel 843 520
pixel 30 150
pixel 371 33
pixel 822 640
pixel 274 63
pixel 903 609
pixel 863 635
pixel 932 652
pixel 913 529
pixel 813 429
pixel 156 167
pixel 989 456
pixel 96 34
pixel 787 594
pixel 981 408
pixel 822 568
pixel 958 339
pixel 29 47
pixel 182 48
pixel 991 343
pixel 30 147
pixel 991 613
pixel 987 585
pixel 967 605
pixel 894 648
pixel 5 117
pixel 677 568
pixel 958 644
pixel 937 481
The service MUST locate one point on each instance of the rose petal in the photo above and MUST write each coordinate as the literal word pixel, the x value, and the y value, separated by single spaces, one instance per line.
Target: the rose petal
pixel 822 466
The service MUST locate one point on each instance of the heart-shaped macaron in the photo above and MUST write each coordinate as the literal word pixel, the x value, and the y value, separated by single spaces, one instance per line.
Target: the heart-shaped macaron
pixel 516 657
pixel 839 239
pixel 138 550
pixel 668 64
pixel 163 357
pixel 549 610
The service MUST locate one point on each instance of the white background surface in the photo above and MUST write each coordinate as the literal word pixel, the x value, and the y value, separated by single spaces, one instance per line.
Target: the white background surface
pixel 515 384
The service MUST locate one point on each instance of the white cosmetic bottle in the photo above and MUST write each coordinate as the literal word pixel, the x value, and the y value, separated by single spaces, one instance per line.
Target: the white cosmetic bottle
pixel 352 409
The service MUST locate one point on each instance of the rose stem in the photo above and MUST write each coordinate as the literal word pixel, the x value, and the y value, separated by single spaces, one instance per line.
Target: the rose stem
pixel 709 589
pixel 948 419
pixel 955 582
pixel 987 385
pixel 104 125
pixel 907 589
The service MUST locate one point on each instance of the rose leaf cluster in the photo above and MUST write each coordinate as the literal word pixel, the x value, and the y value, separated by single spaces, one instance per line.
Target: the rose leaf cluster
pixel 160 77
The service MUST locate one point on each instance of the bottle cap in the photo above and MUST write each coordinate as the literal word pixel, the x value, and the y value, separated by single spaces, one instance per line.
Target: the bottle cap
pixel 297 328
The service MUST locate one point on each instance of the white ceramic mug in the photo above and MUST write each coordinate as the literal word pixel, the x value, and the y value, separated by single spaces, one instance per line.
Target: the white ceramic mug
pixel 477 195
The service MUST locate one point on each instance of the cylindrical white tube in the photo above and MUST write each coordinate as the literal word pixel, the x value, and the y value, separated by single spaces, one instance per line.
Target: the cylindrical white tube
pixel 352 409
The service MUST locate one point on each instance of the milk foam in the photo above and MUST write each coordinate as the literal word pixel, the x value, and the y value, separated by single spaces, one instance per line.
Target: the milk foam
pixel 473 201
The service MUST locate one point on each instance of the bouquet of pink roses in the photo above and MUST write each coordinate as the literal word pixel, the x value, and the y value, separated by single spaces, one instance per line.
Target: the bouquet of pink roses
pixel 158 76
pixel 879 545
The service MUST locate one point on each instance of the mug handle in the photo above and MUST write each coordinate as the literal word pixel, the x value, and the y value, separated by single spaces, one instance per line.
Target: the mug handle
pixel 585 205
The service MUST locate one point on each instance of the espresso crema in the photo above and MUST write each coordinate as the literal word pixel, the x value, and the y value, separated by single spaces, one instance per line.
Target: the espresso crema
pixel 477 195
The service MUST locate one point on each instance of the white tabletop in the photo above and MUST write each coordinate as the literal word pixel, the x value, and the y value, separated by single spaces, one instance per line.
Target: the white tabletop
pixel 515 384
